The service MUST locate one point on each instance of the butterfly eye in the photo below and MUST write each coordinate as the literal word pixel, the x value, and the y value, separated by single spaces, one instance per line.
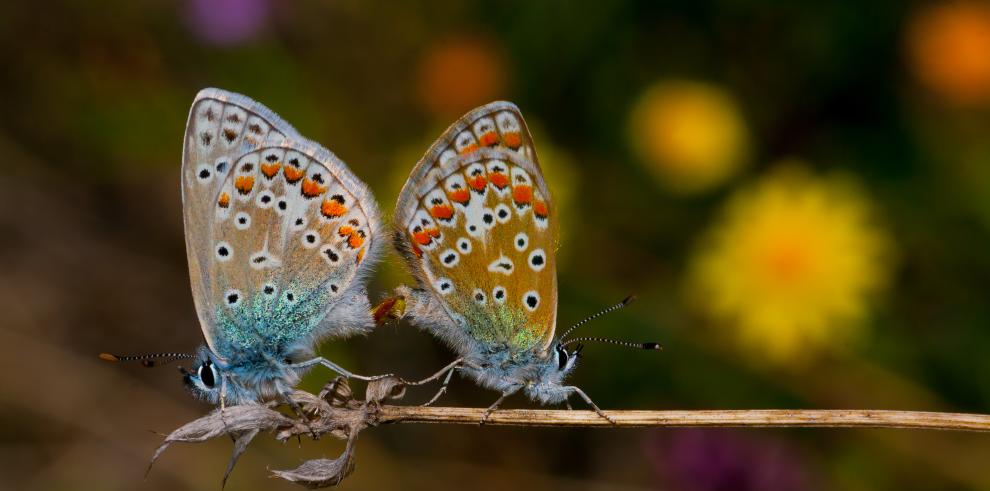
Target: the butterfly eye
pixel 561 358
pixel 207 375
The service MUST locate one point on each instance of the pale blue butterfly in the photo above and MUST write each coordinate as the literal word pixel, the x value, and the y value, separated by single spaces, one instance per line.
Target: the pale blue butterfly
pixel 476 224
pixel 280 236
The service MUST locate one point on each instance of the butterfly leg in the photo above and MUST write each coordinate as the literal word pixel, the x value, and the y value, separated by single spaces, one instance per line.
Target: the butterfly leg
pixel 491 409
pixel 576 390
pixel 443 386
pixel 287 397
pixel 337 368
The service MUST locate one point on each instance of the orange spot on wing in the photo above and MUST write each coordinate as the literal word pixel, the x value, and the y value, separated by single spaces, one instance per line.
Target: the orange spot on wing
pixel 540 209
pixel 421 238
pixel 417 251
pixel 345 230
pixel 355 240
pixel 312 189
pixel 489 139
pixel 470 148
pixel 442 212
pixel 477 183
pixel 332 208
pixel 244 184
pixel 269 170
pixel 513 139
pixel 360 255
pixel 292 174
pixel 499 179
pixel 224 200
pixel 461 196
pixel 522 194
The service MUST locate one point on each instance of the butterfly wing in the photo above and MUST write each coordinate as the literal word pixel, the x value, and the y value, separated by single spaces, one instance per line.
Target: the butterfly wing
pixel 475 223
pixel 277 228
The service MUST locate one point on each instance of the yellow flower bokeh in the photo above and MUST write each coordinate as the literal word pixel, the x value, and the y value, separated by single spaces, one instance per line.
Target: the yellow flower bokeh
pixel 949 47
pixel 790 267
pixel 691 135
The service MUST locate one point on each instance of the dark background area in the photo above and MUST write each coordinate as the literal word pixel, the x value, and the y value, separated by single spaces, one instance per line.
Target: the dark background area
pixel 798 193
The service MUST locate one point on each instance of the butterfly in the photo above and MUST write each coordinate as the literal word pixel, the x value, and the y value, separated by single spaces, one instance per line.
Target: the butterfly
pixel 280 236
pixel 477 227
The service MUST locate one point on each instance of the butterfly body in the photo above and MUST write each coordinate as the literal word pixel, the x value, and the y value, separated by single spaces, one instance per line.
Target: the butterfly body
pixel 279 237
pixel 476 224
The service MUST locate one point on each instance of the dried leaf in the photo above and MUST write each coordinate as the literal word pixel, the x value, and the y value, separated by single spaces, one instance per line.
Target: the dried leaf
pixel 390 387
pixel 322 473
pixel 232 420
pixel 241 442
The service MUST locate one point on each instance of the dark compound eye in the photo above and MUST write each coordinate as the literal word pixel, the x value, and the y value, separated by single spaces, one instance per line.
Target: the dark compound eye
pixel 561 358
pixel 206 374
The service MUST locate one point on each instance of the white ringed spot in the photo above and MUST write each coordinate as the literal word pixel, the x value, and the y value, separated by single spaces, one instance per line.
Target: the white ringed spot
pixel 444 285
pixel 531 300
pixel 478 296
pixel 310 239
pixel 520 241
pixel 223 252
pixel 449 258
pixel 502 265
pixel 537 260
pixel 242 221
pixel 498 293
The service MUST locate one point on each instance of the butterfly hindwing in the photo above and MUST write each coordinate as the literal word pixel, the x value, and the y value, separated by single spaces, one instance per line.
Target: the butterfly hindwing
pixel 476 223
pixel 277 228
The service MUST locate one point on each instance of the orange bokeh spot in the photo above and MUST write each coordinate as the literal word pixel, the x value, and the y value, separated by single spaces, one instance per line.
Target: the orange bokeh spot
pixel 477 183
pixel 269 170
pixel 332 208
pixel 522 194
pixel 244 184
pixel 499 179
pixel 312 189
pixel 442 212
pixel 458 74
pixel 950 49
pixel 540 209
pixel 513 140
pixel 292 174
pixel 459 196
pixel 224 200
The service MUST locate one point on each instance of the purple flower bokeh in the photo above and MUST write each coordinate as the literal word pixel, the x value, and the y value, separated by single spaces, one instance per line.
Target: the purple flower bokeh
pixel 720 460
pixel 227 22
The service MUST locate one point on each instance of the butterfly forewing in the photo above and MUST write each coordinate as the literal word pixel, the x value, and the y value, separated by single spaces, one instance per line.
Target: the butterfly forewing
pixel 477 225
pixel 278 230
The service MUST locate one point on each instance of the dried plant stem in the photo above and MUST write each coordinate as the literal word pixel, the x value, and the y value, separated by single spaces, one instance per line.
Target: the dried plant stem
pixel 789 418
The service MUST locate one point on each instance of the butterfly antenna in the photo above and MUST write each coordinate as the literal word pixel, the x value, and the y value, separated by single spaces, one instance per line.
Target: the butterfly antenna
pixel 648 346
pixel 150 360
pixel 623 303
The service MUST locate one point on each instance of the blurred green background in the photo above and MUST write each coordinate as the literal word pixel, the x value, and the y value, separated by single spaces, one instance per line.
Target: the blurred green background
pixel 799 194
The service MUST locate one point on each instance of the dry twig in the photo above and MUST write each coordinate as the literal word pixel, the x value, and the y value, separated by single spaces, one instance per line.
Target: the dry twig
pixel 337 413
